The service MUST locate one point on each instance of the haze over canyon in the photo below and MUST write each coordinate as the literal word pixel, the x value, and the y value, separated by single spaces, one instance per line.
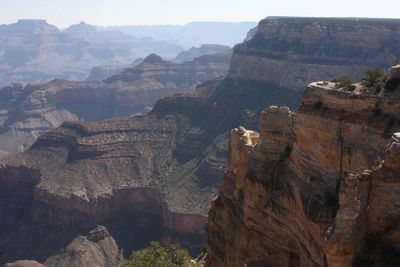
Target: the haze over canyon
pixel 281 150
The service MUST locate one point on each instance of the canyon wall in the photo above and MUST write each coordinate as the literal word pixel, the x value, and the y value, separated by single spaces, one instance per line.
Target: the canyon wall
pixel 301 192
pixel 26 111
pixel 171 160
pixel 292 52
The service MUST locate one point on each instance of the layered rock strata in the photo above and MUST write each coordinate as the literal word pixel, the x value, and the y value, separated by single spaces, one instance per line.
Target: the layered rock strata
pixel 35 51
pixel 292 195
pixel 26 111
pixel 146 177
pixel 292 52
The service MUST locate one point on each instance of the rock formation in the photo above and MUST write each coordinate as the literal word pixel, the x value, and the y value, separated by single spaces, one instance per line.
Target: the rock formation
pixel 30 110
pixel 35 51
pixel 98 248
pixel 151 177
pixel 308 190
pixel 95 249
pixel 292 52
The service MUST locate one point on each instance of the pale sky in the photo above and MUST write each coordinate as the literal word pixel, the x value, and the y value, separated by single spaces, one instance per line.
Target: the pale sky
pixel 131 12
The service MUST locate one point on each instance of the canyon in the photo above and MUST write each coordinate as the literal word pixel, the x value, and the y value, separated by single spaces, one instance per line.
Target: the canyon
pixel 30 110
pixel 152 176
pixel 36 51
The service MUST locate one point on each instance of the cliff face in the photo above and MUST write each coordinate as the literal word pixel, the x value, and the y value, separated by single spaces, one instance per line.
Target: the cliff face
pixel 292 52
pixel 292 194
pixel 30 110
pixel 25 115
pixel 146 177
pixel 151 177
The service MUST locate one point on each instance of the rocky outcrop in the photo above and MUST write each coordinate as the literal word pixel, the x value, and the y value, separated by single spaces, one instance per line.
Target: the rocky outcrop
pixel 366 229
pixel 301 193
pixel 94 249
pixel 30 110
pixel 292 52
pixel 98 248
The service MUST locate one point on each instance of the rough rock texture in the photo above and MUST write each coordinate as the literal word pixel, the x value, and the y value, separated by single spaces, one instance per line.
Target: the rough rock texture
pixel 96 249
pixel 24 115
pixel 292 52
pixel 145 177
pixel 280 194
pixel 367 224
pixel 152 177
pixel 26 111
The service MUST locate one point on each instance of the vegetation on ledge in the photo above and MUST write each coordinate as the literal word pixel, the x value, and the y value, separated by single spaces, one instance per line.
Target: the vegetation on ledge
pixel 157 256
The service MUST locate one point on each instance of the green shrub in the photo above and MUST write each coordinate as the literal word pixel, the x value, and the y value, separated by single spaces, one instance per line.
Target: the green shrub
pixel 157 256
pixel 344 82
pixel 374 77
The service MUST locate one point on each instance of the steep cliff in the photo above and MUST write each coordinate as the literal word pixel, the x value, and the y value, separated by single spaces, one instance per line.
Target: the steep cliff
pixel 301 193
pixel 292 52
pixel 151 177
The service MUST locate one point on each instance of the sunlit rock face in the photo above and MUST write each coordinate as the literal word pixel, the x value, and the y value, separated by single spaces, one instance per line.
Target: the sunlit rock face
pixel 292 52
pixel 306 191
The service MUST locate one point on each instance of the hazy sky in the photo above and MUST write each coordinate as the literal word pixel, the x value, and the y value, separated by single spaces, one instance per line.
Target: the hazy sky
pixel 128 12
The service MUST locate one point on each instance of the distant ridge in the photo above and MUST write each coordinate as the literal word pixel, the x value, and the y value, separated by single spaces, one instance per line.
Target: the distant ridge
pixel 193 33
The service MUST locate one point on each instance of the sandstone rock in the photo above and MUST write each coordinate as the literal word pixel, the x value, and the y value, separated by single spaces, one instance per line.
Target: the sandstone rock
pixel 279 195
pixel 292 52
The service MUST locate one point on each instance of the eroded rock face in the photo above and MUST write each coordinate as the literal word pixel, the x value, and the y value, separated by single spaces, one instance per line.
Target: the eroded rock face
pixel 25 114
pixel 292 52
pixel 367 228
pixel 97 248
pixel 114 172
pixel 26 111
pixel 145 178
pixel 285 197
